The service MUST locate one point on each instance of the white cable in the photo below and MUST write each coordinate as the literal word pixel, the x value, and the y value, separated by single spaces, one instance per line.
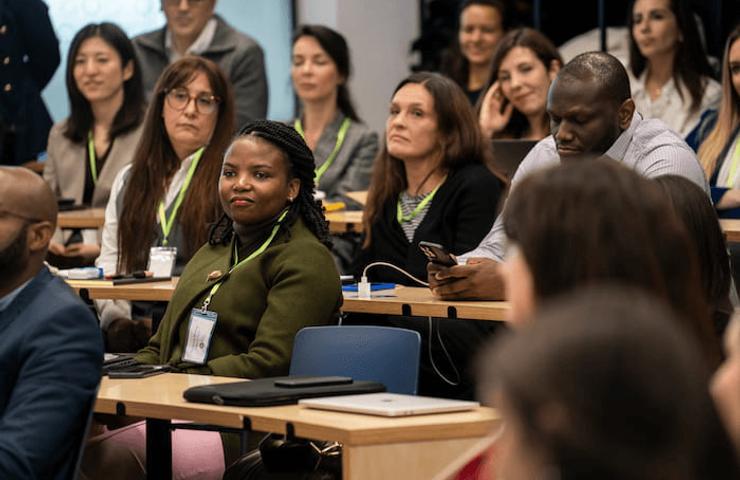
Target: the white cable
pixel 385 264
pixel 447 354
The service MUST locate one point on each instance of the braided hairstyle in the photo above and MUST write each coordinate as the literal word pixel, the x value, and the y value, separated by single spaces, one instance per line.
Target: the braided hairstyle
pixel 301 166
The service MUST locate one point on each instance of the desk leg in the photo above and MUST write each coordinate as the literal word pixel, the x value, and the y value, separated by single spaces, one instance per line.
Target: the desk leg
pixel 412 460
pixel 158 449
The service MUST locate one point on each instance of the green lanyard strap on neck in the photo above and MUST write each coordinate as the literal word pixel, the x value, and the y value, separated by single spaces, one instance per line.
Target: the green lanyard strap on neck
pixel 91 156
pixel 238 264
pixel 407 218
pixel 733 166
pixel 337 146
pixel 165 222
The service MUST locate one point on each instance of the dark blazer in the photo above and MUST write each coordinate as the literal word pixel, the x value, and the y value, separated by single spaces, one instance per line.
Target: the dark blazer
pixel 51 352
pixel 461 214
pixel 239 56
pixel 25 32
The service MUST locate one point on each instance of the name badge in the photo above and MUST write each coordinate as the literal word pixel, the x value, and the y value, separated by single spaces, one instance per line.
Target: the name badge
pixel 162 261
pixel 200 330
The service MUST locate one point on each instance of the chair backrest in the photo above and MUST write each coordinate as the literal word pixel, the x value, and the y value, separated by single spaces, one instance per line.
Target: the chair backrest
pixel 382 354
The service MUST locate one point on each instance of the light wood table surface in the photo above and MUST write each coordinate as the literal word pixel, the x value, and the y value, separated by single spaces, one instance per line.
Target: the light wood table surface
pixel 105 290
pixel 407 301
pixel 731 227
pixel 87 218
pixel 345 221
pixel 374 447
pixel 419 301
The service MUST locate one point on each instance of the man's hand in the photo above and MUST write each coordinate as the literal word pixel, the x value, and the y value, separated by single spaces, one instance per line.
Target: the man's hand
pixel 478 279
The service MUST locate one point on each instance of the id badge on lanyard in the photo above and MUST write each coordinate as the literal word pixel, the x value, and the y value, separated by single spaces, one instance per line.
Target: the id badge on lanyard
pixel 162 261
pixel 200 330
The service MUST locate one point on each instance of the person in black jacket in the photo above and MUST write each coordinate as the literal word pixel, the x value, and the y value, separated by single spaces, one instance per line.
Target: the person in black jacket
pixel 29 56
pixel 430 183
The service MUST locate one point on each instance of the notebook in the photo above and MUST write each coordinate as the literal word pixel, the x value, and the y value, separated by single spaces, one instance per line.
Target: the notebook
pixel 508 154
pixel 388 404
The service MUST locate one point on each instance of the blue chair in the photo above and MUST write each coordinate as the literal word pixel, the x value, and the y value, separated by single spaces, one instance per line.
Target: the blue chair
pixel 382 354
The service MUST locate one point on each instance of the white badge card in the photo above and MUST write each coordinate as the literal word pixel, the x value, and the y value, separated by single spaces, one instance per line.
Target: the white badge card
pixel 162 261
pixel 200 330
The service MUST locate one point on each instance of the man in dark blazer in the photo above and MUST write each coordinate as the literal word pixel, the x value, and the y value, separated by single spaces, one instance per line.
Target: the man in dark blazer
pixel 192 28
pixel 29 56
pixel 51 348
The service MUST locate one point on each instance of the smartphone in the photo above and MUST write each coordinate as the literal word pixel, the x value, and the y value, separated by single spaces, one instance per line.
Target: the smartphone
pixel 139 371
pixel 436 253
pixel 298 382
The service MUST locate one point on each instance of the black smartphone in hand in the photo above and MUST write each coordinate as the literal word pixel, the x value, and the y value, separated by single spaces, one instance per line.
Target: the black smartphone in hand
pixel 436 253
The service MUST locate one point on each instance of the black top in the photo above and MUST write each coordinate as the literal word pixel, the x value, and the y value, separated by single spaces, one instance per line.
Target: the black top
pixel 100 163
pixel 461 214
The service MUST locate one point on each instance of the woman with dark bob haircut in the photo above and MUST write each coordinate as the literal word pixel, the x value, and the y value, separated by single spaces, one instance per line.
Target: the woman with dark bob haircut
pixel 430 183
pixel 165 198
pixel 601 384
pixel 594 221
pixel 88 149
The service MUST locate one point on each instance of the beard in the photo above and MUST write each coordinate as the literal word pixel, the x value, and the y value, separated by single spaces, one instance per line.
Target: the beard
pixel 14 257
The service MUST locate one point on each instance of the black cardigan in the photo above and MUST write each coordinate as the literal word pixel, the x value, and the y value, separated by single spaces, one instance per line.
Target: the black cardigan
pixel 460 215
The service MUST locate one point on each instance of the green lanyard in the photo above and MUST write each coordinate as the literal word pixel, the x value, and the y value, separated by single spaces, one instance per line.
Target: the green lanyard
pixel 733 166
pixel 91 156
pixel 338 145
pixel 238 264
pixel 166 223
pixel 399 212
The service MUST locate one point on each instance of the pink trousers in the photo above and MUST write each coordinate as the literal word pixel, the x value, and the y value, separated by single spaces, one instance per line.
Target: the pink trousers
pixel 121 454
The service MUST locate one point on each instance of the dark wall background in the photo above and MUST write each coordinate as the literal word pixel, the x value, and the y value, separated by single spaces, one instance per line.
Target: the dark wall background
pixel 557 21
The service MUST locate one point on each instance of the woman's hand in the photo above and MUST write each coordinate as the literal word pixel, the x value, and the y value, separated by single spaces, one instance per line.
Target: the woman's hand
pixel 495 111
pixel 87 251
pixel 56 248
pixel 731 199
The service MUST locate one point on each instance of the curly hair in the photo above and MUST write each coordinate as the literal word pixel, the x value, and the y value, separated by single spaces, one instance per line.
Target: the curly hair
pixel 302 166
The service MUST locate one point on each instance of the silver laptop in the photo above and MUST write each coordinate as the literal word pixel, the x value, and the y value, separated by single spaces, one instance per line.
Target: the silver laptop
pixel 388 404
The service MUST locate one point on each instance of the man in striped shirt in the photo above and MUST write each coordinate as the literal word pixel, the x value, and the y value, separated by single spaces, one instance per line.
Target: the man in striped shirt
pixel 591 114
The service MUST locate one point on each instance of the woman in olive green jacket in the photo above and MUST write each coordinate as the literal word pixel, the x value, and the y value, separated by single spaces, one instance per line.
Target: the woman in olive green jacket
pixel 265 273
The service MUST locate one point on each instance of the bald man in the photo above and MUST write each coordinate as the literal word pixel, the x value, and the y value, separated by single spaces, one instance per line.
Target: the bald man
pixel 51 349
pixel 591 114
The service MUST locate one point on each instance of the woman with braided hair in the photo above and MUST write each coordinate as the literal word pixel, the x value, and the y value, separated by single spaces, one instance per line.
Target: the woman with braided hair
pixel 265 273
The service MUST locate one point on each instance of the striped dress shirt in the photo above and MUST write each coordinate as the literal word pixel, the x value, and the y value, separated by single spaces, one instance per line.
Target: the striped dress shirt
pixel 648 147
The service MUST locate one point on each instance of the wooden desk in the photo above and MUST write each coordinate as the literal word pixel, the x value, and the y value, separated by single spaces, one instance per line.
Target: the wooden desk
pixel 345 221
pixel 105 290
pixel 731 227
pixel 400 301
pixel 88 218
pixel 420 301
pixel 374 447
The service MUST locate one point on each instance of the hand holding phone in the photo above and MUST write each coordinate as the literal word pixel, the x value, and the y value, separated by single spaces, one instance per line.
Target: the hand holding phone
pixel 436 253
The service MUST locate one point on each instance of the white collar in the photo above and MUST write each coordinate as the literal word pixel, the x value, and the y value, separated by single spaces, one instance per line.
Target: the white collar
pixel 200 44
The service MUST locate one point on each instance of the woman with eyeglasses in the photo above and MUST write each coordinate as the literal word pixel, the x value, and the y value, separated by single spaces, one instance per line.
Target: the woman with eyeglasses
pixel 87 150
pixel 161 205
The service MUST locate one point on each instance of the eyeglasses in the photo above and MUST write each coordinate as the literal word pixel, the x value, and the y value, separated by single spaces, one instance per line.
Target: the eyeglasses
pixel 179 98
pixel 5 213
pixel 195 3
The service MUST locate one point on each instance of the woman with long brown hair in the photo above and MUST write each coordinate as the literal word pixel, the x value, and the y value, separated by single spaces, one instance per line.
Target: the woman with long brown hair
pixel 515 103
pixel 718 152
pixel 430 182
pixel 166 197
